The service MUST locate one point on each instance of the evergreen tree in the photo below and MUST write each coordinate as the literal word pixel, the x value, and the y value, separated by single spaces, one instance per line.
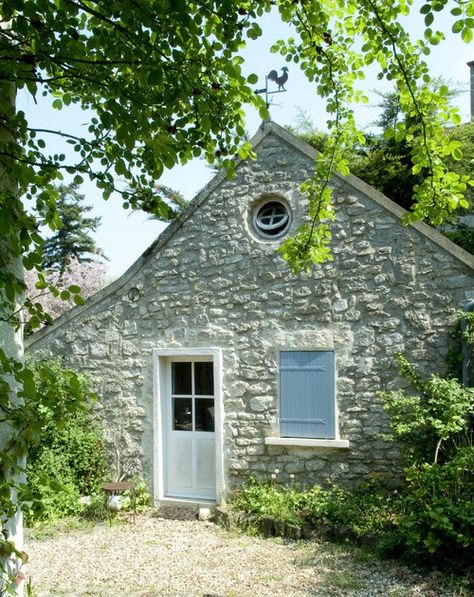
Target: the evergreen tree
pixel 386 164
pixel 73 239
pixel 385 161
pixel 161 202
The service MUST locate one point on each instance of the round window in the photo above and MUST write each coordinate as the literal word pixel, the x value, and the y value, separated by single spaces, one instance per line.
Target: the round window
pixel 272 219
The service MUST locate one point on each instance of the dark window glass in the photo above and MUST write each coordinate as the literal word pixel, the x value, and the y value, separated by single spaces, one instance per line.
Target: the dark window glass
pixel 204 414
pixel 181 375
pixel 182 414
pixel 272 218
pixel 204 379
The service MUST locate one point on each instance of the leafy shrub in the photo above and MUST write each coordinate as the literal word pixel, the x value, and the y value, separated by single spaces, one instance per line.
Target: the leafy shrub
pixel 437 512
pixel 67 455
pixel 366 509
pixel 433 425
pixel 96 508
pixel 463 236
pixel 360 511
pixel 51 489
pixel 428 423
pixel 268 500
pixel 138 498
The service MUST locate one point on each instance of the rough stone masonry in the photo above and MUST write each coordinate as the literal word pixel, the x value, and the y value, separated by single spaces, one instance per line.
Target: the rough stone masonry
pixel 211 280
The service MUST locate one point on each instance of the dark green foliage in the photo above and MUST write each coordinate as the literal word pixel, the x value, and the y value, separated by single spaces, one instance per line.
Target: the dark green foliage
pixel 385 162
pixel 96 509
pixel 433 426
pixel 138 498
pixel 315 138
pixel 73 238
pixel 437 515
pixel 161 202
pixel 67 459
pixel 51 491
pixel 307 131
pixel 386 165
pixel 360 511
pixel 463 236
pixel 162 83
pixel 430 420
pixel 391 111
pixel 270 500
pixel 463 133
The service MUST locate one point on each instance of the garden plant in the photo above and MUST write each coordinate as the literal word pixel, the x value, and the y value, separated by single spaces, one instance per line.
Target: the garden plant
pixel 66 458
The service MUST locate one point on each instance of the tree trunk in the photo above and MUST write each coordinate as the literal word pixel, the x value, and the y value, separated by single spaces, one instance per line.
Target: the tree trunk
pixel 11 342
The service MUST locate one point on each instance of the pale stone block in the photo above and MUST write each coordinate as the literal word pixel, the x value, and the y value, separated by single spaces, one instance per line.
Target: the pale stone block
pixel 340 305
pixel 205 514
pixel 98 351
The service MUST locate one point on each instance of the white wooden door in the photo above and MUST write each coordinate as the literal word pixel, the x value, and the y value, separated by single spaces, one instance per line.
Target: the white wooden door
pixel 190 449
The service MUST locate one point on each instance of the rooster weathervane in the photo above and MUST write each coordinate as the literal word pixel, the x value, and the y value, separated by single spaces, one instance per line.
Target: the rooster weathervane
pixel 279 80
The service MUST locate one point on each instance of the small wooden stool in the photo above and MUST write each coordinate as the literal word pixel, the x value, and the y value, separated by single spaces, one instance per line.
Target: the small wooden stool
pixel 119 487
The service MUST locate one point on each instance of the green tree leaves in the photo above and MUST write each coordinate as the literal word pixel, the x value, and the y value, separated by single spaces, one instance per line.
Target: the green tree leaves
pixel 325 52
pixel 436 411
pixel 166 84
pixel 66 456
pixel 160 82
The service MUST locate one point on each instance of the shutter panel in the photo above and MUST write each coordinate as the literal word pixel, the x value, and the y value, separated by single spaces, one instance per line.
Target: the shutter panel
pixel 307 401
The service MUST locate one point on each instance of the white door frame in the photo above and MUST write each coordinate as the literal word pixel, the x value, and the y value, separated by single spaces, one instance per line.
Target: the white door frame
pixel 161 357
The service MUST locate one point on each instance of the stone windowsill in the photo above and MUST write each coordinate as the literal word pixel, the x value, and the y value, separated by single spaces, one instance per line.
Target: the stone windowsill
pixel 306 442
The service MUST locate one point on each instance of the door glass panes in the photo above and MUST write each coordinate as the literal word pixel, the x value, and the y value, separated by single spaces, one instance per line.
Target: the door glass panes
pixel 192 396
pixel 182 378
pixel 204 408
pixel 204 379
pixel 182 414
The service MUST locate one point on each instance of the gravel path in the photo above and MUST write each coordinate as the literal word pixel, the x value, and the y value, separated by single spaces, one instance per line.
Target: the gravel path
pixel 159 556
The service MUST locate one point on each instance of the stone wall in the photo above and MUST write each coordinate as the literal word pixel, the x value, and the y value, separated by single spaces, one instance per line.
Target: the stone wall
pixel 215 283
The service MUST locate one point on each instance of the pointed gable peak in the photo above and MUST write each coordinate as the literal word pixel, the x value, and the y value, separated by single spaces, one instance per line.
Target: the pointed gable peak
pixel 272 128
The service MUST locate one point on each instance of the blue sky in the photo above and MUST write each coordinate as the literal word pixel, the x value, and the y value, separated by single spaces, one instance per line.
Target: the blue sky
pixel 124 236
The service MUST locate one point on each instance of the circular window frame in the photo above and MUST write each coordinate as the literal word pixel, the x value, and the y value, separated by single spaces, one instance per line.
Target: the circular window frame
pixel 256 211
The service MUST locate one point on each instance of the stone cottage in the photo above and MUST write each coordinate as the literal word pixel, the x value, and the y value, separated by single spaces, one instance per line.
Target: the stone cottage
pixel 213 362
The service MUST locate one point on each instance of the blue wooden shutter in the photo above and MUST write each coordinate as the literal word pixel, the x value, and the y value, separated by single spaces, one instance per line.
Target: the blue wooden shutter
pixel 307 401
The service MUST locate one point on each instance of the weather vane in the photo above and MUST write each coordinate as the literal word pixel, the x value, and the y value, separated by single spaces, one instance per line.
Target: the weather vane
pixel 279 80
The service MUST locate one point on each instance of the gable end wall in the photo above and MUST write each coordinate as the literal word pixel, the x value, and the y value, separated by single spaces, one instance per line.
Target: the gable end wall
pixel 215 284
